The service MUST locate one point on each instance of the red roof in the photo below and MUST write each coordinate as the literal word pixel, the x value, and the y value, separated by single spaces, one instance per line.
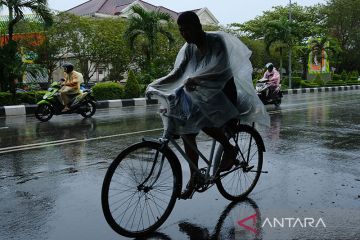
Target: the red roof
pixel 112 7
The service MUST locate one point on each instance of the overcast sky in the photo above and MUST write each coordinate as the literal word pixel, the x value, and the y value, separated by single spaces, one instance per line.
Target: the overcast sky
pixel 226 11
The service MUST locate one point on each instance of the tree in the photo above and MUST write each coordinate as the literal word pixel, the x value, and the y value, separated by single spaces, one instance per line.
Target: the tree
pixel 258 55
pixel 12 66
pixel 149 25
pixel 111 47
pixel 16 12
pixel 9 63
pixel 93 43
pixel 132 87
pixel 273 27
pixel 342 23
pixel 277 31
pixel 49 53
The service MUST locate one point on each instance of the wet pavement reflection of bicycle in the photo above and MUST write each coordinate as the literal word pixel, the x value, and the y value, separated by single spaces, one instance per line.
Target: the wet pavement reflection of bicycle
pixel 227 226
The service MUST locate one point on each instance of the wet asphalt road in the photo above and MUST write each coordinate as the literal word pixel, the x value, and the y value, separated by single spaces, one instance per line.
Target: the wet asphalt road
pixel 51 175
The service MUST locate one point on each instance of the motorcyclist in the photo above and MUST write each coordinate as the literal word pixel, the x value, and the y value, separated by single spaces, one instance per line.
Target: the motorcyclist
pixel 272 78
pixel 71 85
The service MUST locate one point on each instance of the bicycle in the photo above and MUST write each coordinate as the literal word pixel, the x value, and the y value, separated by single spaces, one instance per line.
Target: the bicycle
pixel 142 184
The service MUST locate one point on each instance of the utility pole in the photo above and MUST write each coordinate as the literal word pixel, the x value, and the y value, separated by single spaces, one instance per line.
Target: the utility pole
pixel 290 21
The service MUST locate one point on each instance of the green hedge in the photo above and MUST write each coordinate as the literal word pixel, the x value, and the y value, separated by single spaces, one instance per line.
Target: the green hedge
pixel 6 98
pixel 353 82
pixel 336 77
pixel 335 83
pixel 308 84
pixel 108 91
pixel 30 97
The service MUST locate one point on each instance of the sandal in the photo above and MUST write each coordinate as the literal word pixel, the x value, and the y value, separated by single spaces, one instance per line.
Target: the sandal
pixel 65 109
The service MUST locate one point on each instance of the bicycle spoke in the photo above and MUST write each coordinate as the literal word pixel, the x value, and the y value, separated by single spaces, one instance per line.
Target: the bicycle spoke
pixel 240 181
pixel 140 190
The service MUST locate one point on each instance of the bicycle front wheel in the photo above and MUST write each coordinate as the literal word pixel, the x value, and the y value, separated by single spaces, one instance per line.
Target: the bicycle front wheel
pixel 237 184
pixel 140 189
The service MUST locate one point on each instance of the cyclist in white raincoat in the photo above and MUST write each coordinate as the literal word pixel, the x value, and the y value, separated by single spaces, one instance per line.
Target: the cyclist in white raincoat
pixel 212 85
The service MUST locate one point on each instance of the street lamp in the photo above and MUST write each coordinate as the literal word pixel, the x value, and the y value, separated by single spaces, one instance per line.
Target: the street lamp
pixel 290 20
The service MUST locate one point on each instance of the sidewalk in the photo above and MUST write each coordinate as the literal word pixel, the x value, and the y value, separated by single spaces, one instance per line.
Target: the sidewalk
pixel 30 109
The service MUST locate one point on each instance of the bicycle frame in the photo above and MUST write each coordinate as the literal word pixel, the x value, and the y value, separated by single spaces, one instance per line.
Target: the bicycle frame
pixel 209 178
pixel 168 137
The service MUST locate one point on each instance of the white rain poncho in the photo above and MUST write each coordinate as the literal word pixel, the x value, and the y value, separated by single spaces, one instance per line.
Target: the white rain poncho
pixel 207 106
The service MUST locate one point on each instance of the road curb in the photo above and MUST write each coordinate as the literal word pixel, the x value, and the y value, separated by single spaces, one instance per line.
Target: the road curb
pixel 321 89
pixel 30 109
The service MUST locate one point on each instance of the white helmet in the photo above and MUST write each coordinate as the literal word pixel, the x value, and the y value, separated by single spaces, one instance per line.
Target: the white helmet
pixel 269 65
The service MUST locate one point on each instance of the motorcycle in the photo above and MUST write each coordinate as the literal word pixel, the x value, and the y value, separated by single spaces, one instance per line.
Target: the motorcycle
pixel 82 103
pixel 267 95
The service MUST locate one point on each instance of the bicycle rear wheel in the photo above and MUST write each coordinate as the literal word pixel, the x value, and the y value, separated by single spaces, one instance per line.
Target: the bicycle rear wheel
pixel 240 182
pixel 139 192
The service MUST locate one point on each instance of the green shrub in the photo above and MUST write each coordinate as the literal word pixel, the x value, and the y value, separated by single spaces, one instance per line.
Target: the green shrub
pixel 284 87
pixel 295 82
pixel 257 75
pixel 308 84
pixel 132 87
pixel 352 79
pixel 285 81
pixel 336 77
pixel 30 97
pixel 318 80
pixel 143 89
pixel 6 98
pixel 108 91
pixel 354 74
pixel 344 76
pixel 296 74
pixel 335 83
pixel 145 78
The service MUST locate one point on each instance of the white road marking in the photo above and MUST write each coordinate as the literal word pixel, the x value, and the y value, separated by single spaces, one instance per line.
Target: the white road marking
pixel 68 141
pixel 37 144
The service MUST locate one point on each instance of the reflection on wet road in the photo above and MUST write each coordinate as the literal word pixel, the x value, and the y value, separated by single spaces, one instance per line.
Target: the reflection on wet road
pixel 51 175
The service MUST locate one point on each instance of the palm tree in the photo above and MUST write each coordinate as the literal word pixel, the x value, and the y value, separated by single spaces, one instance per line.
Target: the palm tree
pixel 16 12
pixel 149 25
pixel 277 31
